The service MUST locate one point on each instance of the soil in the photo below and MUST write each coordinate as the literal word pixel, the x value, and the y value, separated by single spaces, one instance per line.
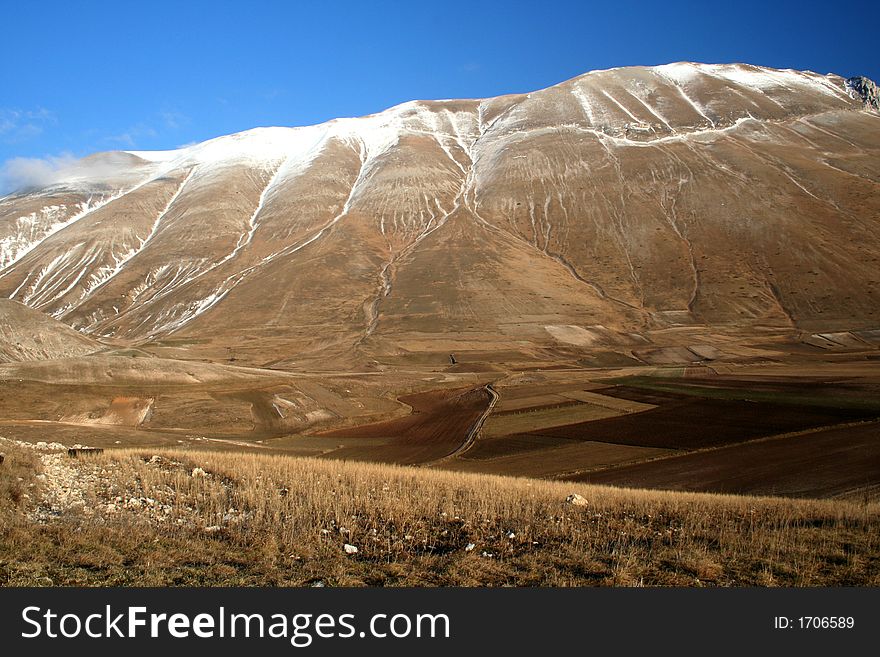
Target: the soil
pixel 829 463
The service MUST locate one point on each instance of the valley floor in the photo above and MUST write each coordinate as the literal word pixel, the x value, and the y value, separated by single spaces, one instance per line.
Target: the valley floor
pixel 765 466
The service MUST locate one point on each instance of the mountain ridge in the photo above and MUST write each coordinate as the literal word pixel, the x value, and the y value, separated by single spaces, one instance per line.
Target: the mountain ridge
pixel 637 198
pixel 850 86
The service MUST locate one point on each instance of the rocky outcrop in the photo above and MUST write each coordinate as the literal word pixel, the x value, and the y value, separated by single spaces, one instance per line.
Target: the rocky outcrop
pixel 576 500
pixel 865 89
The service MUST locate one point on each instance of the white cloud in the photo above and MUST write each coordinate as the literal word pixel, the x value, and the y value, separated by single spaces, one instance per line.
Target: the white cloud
pixel 20 125
pixel 23 172
pixel 129 138
pixel 174 119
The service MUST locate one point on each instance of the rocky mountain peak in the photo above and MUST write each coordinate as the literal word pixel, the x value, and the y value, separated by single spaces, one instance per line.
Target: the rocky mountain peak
pixel 866 89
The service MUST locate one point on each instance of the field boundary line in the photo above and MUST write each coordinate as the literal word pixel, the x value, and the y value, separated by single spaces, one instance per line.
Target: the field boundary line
pixel 682 453
pixel 475 430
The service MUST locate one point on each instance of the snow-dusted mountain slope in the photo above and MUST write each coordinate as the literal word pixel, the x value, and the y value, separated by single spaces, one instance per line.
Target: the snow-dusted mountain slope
pixel 631 199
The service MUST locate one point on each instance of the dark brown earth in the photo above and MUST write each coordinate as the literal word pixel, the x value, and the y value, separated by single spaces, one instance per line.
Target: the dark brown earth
pixel 701 423
pixel 438 424
pixel 828 463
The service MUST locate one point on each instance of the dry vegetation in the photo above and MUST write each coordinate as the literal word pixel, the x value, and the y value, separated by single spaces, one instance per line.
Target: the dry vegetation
pixel 172 517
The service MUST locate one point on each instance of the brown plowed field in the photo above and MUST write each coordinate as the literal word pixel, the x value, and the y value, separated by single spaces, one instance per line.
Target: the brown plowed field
pixel 553 460
pixel 640 395
pixel 561 403
pixel 616 403
pixel 540 420
pixel 490 448
pixel 831 463
pixel 832 391
pixel 699 423
pixel 438 425
pixel 538 391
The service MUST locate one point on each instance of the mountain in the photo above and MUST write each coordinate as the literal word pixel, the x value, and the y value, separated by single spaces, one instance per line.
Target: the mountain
pixel 27 334
pixel 614 211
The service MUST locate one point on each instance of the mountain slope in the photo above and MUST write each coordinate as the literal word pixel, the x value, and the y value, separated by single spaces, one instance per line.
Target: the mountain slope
pixel 26 334
pixel 622 202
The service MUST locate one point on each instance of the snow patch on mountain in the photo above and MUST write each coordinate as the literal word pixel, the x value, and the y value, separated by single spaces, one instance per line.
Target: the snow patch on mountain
pixel 31 229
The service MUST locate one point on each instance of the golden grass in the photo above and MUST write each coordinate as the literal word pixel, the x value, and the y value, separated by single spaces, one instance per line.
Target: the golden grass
pixel 16 473
pixel 278 520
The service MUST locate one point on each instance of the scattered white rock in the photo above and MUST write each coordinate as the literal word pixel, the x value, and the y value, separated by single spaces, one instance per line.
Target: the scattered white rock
pixel 469 547
pixel 576 500
pixel 350 549
pixel 49 446
pixel 511 535
pixel 198 472
pixel 39 446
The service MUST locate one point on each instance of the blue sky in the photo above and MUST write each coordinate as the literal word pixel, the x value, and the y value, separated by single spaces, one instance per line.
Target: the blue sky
pixel 80 77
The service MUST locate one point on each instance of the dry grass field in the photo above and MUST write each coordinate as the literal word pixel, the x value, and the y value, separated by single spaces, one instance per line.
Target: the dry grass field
pixel 175 517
